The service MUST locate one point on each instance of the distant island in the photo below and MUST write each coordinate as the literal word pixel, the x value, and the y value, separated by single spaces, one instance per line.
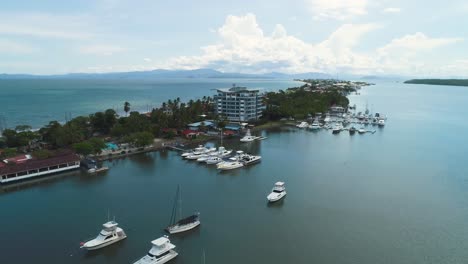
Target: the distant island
pixel 452 82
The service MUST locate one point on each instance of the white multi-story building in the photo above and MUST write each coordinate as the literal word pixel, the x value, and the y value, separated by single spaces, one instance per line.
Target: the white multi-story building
pixel 239 103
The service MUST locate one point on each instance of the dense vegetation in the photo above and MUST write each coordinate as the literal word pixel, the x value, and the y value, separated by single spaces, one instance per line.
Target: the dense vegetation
pixel 451 82
pixel 299 103
pixel 85 134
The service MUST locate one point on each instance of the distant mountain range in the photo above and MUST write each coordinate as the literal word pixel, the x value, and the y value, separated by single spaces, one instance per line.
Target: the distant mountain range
pixel 161 74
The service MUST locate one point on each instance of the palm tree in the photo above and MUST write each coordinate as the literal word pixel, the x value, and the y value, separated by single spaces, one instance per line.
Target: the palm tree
pixel 126 107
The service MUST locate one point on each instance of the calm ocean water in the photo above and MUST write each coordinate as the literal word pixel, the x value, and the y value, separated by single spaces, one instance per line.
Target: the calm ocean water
pixel 397 196
pixel 36 102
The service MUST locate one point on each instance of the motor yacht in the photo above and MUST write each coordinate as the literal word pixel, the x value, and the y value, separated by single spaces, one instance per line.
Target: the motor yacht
pixel 109 234
pixel 199 150
pixel 277 193
pixel 161 252
pixel 222 152
pixel 352 130
pixel 362 130
pixel 381 122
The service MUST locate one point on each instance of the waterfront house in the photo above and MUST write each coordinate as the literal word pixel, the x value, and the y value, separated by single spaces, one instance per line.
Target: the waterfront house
pixel 239 103
pixel 188 133
pixel 196 126
pixel 337 110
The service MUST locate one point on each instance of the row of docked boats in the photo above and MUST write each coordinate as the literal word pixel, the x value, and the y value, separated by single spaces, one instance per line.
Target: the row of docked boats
pixel 221 157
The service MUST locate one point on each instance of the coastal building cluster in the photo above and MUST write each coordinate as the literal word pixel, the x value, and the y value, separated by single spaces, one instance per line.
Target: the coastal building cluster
pixel 59 147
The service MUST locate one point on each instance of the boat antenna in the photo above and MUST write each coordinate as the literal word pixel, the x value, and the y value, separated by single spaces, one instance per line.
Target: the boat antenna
pixel 108 214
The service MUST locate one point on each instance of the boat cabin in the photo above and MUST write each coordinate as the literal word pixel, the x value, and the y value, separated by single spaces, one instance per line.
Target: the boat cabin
pixel 161 247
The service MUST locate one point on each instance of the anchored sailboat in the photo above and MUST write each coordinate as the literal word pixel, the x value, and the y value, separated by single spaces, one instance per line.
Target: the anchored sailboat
pixel 183 224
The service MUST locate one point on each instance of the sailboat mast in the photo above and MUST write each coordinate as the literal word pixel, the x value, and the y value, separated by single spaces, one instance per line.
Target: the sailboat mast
pixel 180 204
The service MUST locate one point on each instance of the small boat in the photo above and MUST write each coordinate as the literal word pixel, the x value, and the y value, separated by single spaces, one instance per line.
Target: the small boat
pixel 303 125
pixel 352 130
pixel 110 234
pixel 161 252
pixel 196 156
pixel 183 224
pixel 238 155
pixel 213 160
pixel 277 193
pixel 362 130
pixel 247 159
pixel 204 158
pixel 229 165
pixel 248 137
pixel 337 128
pixel 381 122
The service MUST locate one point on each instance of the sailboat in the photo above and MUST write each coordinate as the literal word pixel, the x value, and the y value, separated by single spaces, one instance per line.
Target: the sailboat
pixel 183 224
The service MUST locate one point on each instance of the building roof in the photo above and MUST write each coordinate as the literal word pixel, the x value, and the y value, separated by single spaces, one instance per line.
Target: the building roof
pixel 197 124
pixel 189 132
pixel 33 164
pixel 236 89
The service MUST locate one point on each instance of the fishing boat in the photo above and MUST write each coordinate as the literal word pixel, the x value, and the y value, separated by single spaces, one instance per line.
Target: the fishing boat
pixel 162 251
pixel 184 224
pixel 381 122
pixel 109 234
pixel 248 137
pixel 277 193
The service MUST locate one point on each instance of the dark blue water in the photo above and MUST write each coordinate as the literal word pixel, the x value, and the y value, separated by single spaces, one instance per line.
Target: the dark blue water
pixel 397 196
pixel 36 102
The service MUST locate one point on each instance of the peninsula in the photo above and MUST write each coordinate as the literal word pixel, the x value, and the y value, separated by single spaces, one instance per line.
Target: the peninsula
pixel 451 82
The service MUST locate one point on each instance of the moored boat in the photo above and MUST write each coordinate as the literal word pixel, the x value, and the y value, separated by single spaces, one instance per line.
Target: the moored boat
pixel 110 234
pixel 229 165
pixel 248 137
pixel 184 224
pixel 162 251
pixel 277 193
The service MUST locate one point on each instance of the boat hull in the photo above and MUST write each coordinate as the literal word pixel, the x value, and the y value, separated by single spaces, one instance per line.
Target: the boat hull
pixel 105 244
pixel 183 228
pixel 148 260
pixel 275 198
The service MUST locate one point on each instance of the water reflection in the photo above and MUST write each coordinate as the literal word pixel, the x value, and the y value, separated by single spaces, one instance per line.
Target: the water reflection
pixel 45 181
pixel 277 204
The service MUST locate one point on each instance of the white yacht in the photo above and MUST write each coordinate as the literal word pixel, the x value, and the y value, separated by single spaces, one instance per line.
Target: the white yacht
pixel 327 118
pixel 303 125
pixel 110 234
pixel 362 130
pixel 229 165
pixel 248 137
pixel 213 160
pixel 278 192
pixel 381 122
pixel 196 156
pixel 161 252
pixel 238 155
pixel 247 159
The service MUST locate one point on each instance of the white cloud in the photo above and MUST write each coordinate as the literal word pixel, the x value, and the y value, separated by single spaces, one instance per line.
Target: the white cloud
pixel 244 47
pixel 13 47
pixel 101 50
pixel 337 9
pixel 392 10
pixel 147 59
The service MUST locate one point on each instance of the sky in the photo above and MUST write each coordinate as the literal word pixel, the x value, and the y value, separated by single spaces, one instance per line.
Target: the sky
pixel 421 38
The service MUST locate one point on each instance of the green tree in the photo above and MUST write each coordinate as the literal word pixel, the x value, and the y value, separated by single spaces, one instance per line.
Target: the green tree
pixel 10 137
pixel 20 128
pixel 84 148
pixel 98 144
pixel 126 107
pixel 142 139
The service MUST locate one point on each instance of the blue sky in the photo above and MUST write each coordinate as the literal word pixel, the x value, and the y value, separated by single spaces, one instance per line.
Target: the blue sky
pixel 417 38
